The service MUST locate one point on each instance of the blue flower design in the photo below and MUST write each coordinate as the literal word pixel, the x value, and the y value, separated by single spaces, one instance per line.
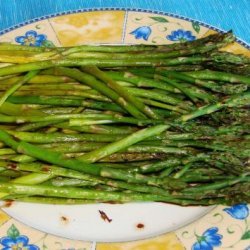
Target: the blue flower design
pixel 142 32
pixel 239 211
pixel 21 243
pixel 31 38
pixel 181 36
pixel 208 240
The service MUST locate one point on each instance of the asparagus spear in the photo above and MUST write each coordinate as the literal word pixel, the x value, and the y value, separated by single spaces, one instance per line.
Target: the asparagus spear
pixel 123 143
pixel 58 159
pixel 78 193
pixel 123 92
pixel 16 86
pixel 220 76
pixel 68 119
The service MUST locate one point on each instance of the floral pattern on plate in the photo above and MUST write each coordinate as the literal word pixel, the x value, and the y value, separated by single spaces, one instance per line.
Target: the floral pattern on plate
pixel 14 240
pixel 239 211
pixel 208 240
pixel 39 33
pixel 32 38
pixel 181 35
pixel 142 32
pixel 223 228
pixel 160 29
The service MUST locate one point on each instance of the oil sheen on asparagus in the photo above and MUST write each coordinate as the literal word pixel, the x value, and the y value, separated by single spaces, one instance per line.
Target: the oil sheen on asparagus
pixel 89 124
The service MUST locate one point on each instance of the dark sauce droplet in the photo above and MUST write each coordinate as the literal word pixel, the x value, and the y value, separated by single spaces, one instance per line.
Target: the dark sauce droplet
pixel 45 169
pixel 8 203
pixel 12 166
pixel 140 226
pixel 64 220
pixel 104 216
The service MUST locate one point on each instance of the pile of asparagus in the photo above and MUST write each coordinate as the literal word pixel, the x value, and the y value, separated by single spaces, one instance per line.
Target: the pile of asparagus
pixel 90 124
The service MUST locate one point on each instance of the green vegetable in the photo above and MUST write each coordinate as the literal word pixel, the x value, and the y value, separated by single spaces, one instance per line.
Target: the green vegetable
pixel 102 123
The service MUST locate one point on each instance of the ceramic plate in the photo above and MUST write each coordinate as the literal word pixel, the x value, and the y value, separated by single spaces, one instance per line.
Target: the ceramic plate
pixel 132 221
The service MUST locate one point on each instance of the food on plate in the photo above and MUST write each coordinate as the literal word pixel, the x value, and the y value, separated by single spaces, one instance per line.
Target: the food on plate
pixel 125 123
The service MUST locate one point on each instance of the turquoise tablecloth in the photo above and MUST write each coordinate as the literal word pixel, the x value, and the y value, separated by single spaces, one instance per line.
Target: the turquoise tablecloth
pixel 223 14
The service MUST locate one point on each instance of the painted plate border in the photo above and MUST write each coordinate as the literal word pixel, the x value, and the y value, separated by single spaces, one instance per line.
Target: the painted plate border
pixel 2 32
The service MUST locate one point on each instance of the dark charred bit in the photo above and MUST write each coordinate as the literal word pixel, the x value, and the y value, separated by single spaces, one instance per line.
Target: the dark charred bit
pixel 12 166
pixel 224 99
pixel 199 104
pixel 113 202
pixel 104 216
pixel 140 226
pixel 45 169
pixel 8 203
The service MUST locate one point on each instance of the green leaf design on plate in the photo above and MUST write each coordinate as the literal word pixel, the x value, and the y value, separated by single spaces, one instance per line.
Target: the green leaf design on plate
pixel 159 19
pixel 44 247
pixel 230 231
pixel 184 233
pixel 48 44
pixel 196 27
pixel 246 235
pixel 13 232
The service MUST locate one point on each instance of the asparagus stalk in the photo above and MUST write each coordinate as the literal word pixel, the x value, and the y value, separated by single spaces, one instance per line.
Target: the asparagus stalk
pixel 123 143
pixel 220 76
pixel 88 194
pixel 9 70
pixel 58 159
pixel 49 200
pixel 16 86
pixel 128 87
pixel 234 101
pixel 123 92
pixel 140 81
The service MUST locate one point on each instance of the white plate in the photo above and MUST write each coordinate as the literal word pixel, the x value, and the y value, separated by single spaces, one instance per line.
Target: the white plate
pixel 132 221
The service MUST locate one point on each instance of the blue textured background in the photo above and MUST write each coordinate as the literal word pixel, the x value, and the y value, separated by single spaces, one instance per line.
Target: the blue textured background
pixel 223 14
